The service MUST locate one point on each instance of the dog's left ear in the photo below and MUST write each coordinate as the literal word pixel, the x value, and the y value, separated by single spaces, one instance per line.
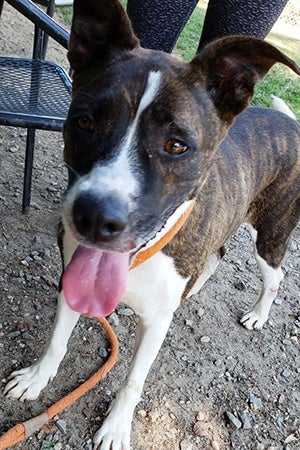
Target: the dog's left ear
pixel 230 68
pixel 99 28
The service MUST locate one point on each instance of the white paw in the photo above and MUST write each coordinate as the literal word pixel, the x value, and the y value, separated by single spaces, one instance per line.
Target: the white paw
pixel 26 384
pixel 253 320
pixel 114 434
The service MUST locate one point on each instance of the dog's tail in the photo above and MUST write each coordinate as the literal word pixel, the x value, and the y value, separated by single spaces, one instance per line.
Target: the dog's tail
pixel 281 106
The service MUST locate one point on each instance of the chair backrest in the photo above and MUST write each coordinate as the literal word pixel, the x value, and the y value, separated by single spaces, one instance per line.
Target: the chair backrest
pixel 41 20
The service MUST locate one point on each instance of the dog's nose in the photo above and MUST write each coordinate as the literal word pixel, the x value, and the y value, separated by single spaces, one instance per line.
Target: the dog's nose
pixel 99 220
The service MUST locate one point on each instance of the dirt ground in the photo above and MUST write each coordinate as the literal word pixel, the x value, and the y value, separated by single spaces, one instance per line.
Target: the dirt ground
pixel 209 366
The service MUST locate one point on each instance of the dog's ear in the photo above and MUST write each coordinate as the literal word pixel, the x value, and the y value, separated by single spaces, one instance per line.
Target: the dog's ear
pixel 230 68
pixel 98 28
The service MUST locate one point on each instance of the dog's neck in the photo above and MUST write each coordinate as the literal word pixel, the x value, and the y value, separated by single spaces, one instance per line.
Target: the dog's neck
pixel 164 236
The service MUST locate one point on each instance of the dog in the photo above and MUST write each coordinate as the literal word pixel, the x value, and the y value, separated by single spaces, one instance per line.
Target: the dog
pixel 149 140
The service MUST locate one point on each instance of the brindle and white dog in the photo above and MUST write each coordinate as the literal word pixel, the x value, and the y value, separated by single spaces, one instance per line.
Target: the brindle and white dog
pixel 146 135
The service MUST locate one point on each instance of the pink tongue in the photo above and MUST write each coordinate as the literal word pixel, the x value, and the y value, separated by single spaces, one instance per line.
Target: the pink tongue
pixel 94 281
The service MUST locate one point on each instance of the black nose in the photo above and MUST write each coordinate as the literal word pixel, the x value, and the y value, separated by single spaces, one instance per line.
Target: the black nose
pixel 99 219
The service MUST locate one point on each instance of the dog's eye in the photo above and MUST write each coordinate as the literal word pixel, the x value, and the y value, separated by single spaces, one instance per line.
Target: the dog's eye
pixel 174 147
pixel 85 123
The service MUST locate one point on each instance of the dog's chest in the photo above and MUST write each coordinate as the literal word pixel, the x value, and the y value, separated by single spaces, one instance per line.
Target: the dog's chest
pixel 154 286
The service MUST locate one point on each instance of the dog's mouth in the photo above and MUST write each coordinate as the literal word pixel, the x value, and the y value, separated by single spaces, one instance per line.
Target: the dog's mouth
pixel 95 280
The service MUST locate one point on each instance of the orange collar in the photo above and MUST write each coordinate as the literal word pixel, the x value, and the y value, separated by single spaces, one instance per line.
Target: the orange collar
pixel 151 248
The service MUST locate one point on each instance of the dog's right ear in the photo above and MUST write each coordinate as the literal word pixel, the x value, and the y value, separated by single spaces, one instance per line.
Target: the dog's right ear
pixel 98 28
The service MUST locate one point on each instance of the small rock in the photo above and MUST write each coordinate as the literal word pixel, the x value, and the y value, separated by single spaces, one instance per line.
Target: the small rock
pixel 286 373
pixel 215 445
pixel 37 258
pixel 201 312
pixel 24 263
pixel 61 425
pixel 125 312
pixel 189 322
pixel 260 446
pixel 251 262
pixel 185 445
pixel 272 435
pixel 280 421
pixel 103 352
pixel 14 334
pixel 202 416
pixel 233 420
pixel 246 422
pixel 27 336
pixel 46 253
pixel 115 319
pixel 205 339
pixel 37 239
pixel 58 446
pixel 51 189
pixel 255 402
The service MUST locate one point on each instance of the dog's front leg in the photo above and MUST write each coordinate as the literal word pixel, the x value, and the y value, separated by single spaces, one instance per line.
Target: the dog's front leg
pixel 115 431
pixel 154 294
pixel 27 383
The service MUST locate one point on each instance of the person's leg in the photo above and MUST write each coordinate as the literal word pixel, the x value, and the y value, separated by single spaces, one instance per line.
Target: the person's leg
pixel 158 23
pixel 227 17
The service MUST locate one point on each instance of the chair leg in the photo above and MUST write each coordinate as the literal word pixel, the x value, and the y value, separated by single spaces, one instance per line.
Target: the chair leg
pixel 28 170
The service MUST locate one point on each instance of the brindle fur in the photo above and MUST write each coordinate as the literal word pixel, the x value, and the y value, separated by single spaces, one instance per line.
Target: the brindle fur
pixel 246 177
pixel 246 163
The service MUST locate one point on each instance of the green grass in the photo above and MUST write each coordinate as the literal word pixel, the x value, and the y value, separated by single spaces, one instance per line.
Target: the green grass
pixel 279 81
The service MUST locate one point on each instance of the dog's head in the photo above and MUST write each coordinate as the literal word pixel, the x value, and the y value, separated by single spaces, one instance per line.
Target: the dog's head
pixel 143 127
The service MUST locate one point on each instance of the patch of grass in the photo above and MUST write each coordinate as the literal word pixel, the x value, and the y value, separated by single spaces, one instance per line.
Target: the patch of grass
pixel 188 41
pixel 280 81
pixel 67 13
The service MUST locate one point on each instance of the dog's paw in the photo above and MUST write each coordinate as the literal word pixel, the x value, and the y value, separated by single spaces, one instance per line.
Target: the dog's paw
pixel 113 435
pixel 27 383
pixel 253 320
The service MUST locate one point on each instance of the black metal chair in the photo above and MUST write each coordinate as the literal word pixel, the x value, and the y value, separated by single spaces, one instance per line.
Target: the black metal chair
pixel 34 93
pixel 51 5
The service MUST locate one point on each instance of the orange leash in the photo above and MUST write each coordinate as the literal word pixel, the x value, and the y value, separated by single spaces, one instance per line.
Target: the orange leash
pixel 25 429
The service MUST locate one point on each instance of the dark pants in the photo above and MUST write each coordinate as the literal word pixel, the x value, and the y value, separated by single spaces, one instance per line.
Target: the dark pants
pixel 158 23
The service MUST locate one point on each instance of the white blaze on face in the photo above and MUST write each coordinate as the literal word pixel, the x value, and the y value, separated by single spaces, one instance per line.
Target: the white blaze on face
pixel 117 176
